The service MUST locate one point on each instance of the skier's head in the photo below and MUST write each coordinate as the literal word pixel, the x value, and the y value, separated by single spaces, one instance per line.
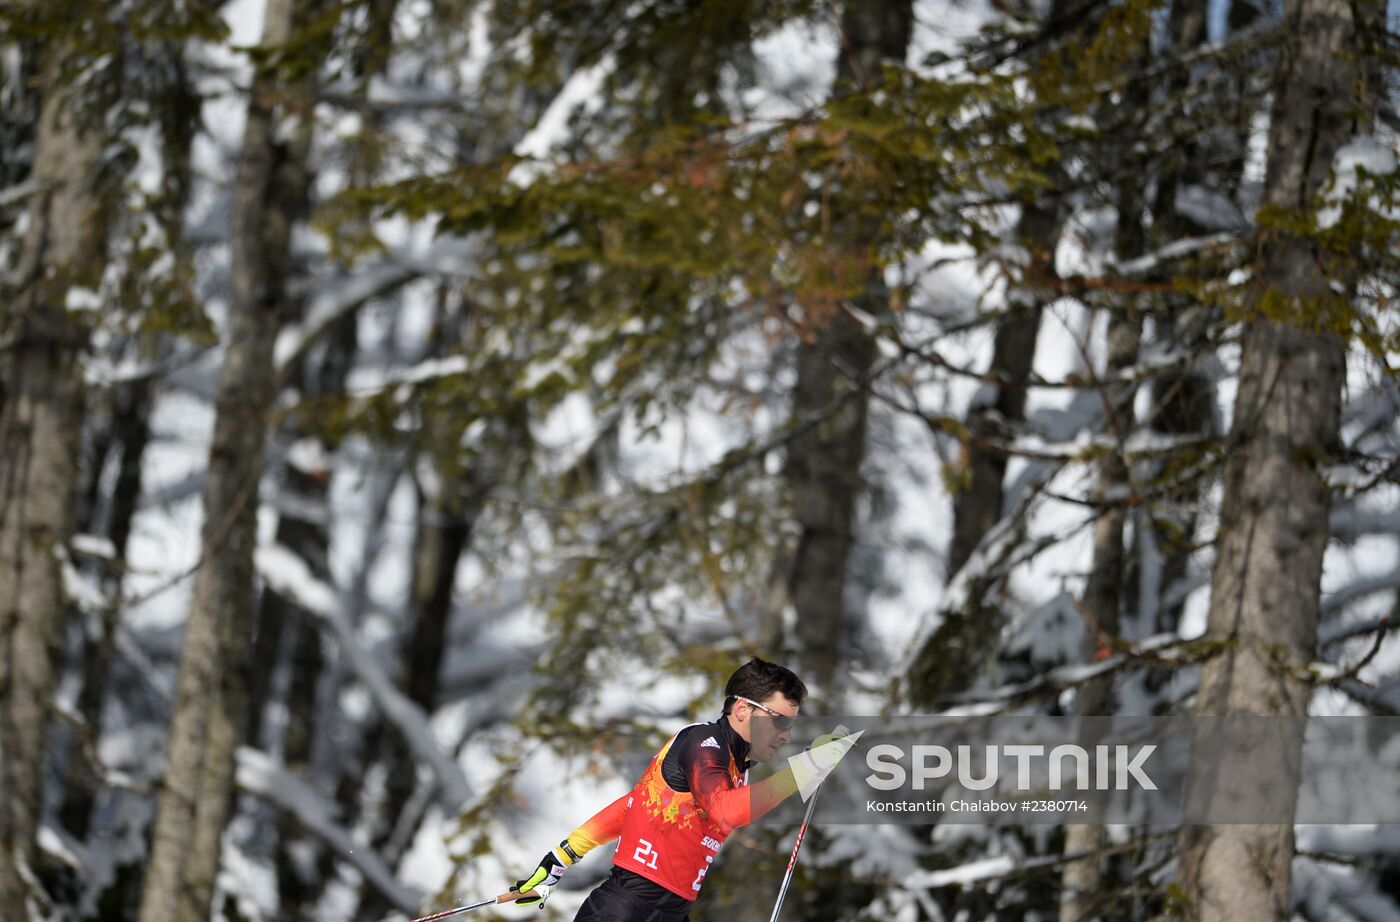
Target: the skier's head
pixel 760 701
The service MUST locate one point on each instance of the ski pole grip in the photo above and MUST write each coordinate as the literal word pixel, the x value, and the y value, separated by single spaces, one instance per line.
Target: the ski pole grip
pixel 510 896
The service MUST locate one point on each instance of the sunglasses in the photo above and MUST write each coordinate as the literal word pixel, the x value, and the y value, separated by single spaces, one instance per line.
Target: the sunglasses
pixel 780 721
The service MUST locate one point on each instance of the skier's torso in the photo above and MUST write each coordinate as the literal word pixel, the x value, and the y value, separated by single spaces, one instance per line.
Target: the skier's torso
pixel 667 837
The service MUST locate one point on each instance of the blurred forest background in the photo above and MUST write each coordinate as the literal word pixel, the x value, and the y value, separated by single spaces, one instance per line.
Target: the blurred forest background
pixel 413 410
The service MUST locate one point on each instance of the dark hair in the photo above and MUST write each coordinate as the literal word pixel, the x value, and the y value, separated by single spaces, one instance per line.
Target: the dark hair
pixel 757 679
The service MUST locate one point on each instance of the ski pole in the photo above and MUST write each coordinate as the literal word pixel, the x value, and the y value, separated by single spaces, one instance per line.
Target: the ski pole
pixel 508 897
pixel 801 831
pixel 792 862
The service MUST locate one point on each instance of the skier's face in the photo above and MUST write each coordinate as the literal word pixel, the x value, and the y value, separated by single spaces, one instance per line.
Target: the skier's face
pixel 760 725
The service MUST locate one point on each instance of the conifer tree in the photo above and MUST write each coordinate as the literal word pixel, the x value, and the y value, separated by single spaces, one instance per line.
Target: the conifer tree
pixel 211 701
pixel 1266 585
pixel 45 332
pixel 822 468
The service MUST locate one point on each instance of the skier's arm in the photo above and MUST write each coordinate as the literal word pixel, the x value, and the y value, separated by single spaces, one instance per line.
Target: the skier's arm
pixel 708 774
pixel 600 828
pixel 603 826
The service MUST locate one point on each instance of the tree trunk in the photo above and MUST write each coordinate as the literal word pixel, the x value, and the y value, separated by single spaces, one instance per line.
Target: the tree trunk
pixel 120 437
pixel 1183 404
pixel 977 507
pixel 823 474
pixel 1183 400
pixel 303 525
pixel 130 432
pixel 823 466
pixel 444 530
pixel 294 891
pixel 40 428
pixel 960 644
pixel 284 625
pixel 1273 532
pixel 211 693
pixel 447 516
pixel 1082 893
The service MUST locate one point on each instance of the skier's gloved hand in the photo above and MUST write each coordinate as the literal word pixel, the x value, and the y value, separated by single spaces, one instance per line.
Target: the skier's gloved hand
pixel 830 748
pixel 811 766
pixel 546 875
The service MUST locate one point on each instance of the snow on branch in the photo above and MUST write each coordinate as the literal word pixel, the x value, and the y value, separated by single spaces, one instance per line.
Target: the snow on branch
pixel 1376 408
pixel 1334 633
pixel 409 376
pixel 1143 265
pixel 1161 649
pixel 260 775
pixel 59 846
pixel 1001 867
pixel 1154 361
pixel 386 96
pixel 289 576
pixel 343 295
pixel 1335 602
pixel 1354 841
pixel 972 872
pixel 1383 701
pixel 1338 894
pixel 21 191
pixel 990 556
pixel 1139 444
pixel 86 744
pixel 1348 522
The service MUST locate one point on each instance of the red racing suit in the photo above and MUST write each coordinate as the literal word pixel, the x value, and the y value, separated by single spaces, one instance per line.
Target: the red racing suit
pixel 693 793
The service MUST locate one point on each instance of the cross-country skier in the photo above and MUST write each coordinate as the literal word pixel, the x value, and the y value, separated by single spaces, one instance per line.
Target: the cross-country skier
pixel 693 792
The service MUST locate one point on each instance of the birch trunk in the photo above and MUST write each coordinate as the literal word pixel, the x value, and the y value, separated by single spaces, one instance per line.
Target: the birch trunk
pixel 40 429
pixel 1273 532
pixel 211 693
